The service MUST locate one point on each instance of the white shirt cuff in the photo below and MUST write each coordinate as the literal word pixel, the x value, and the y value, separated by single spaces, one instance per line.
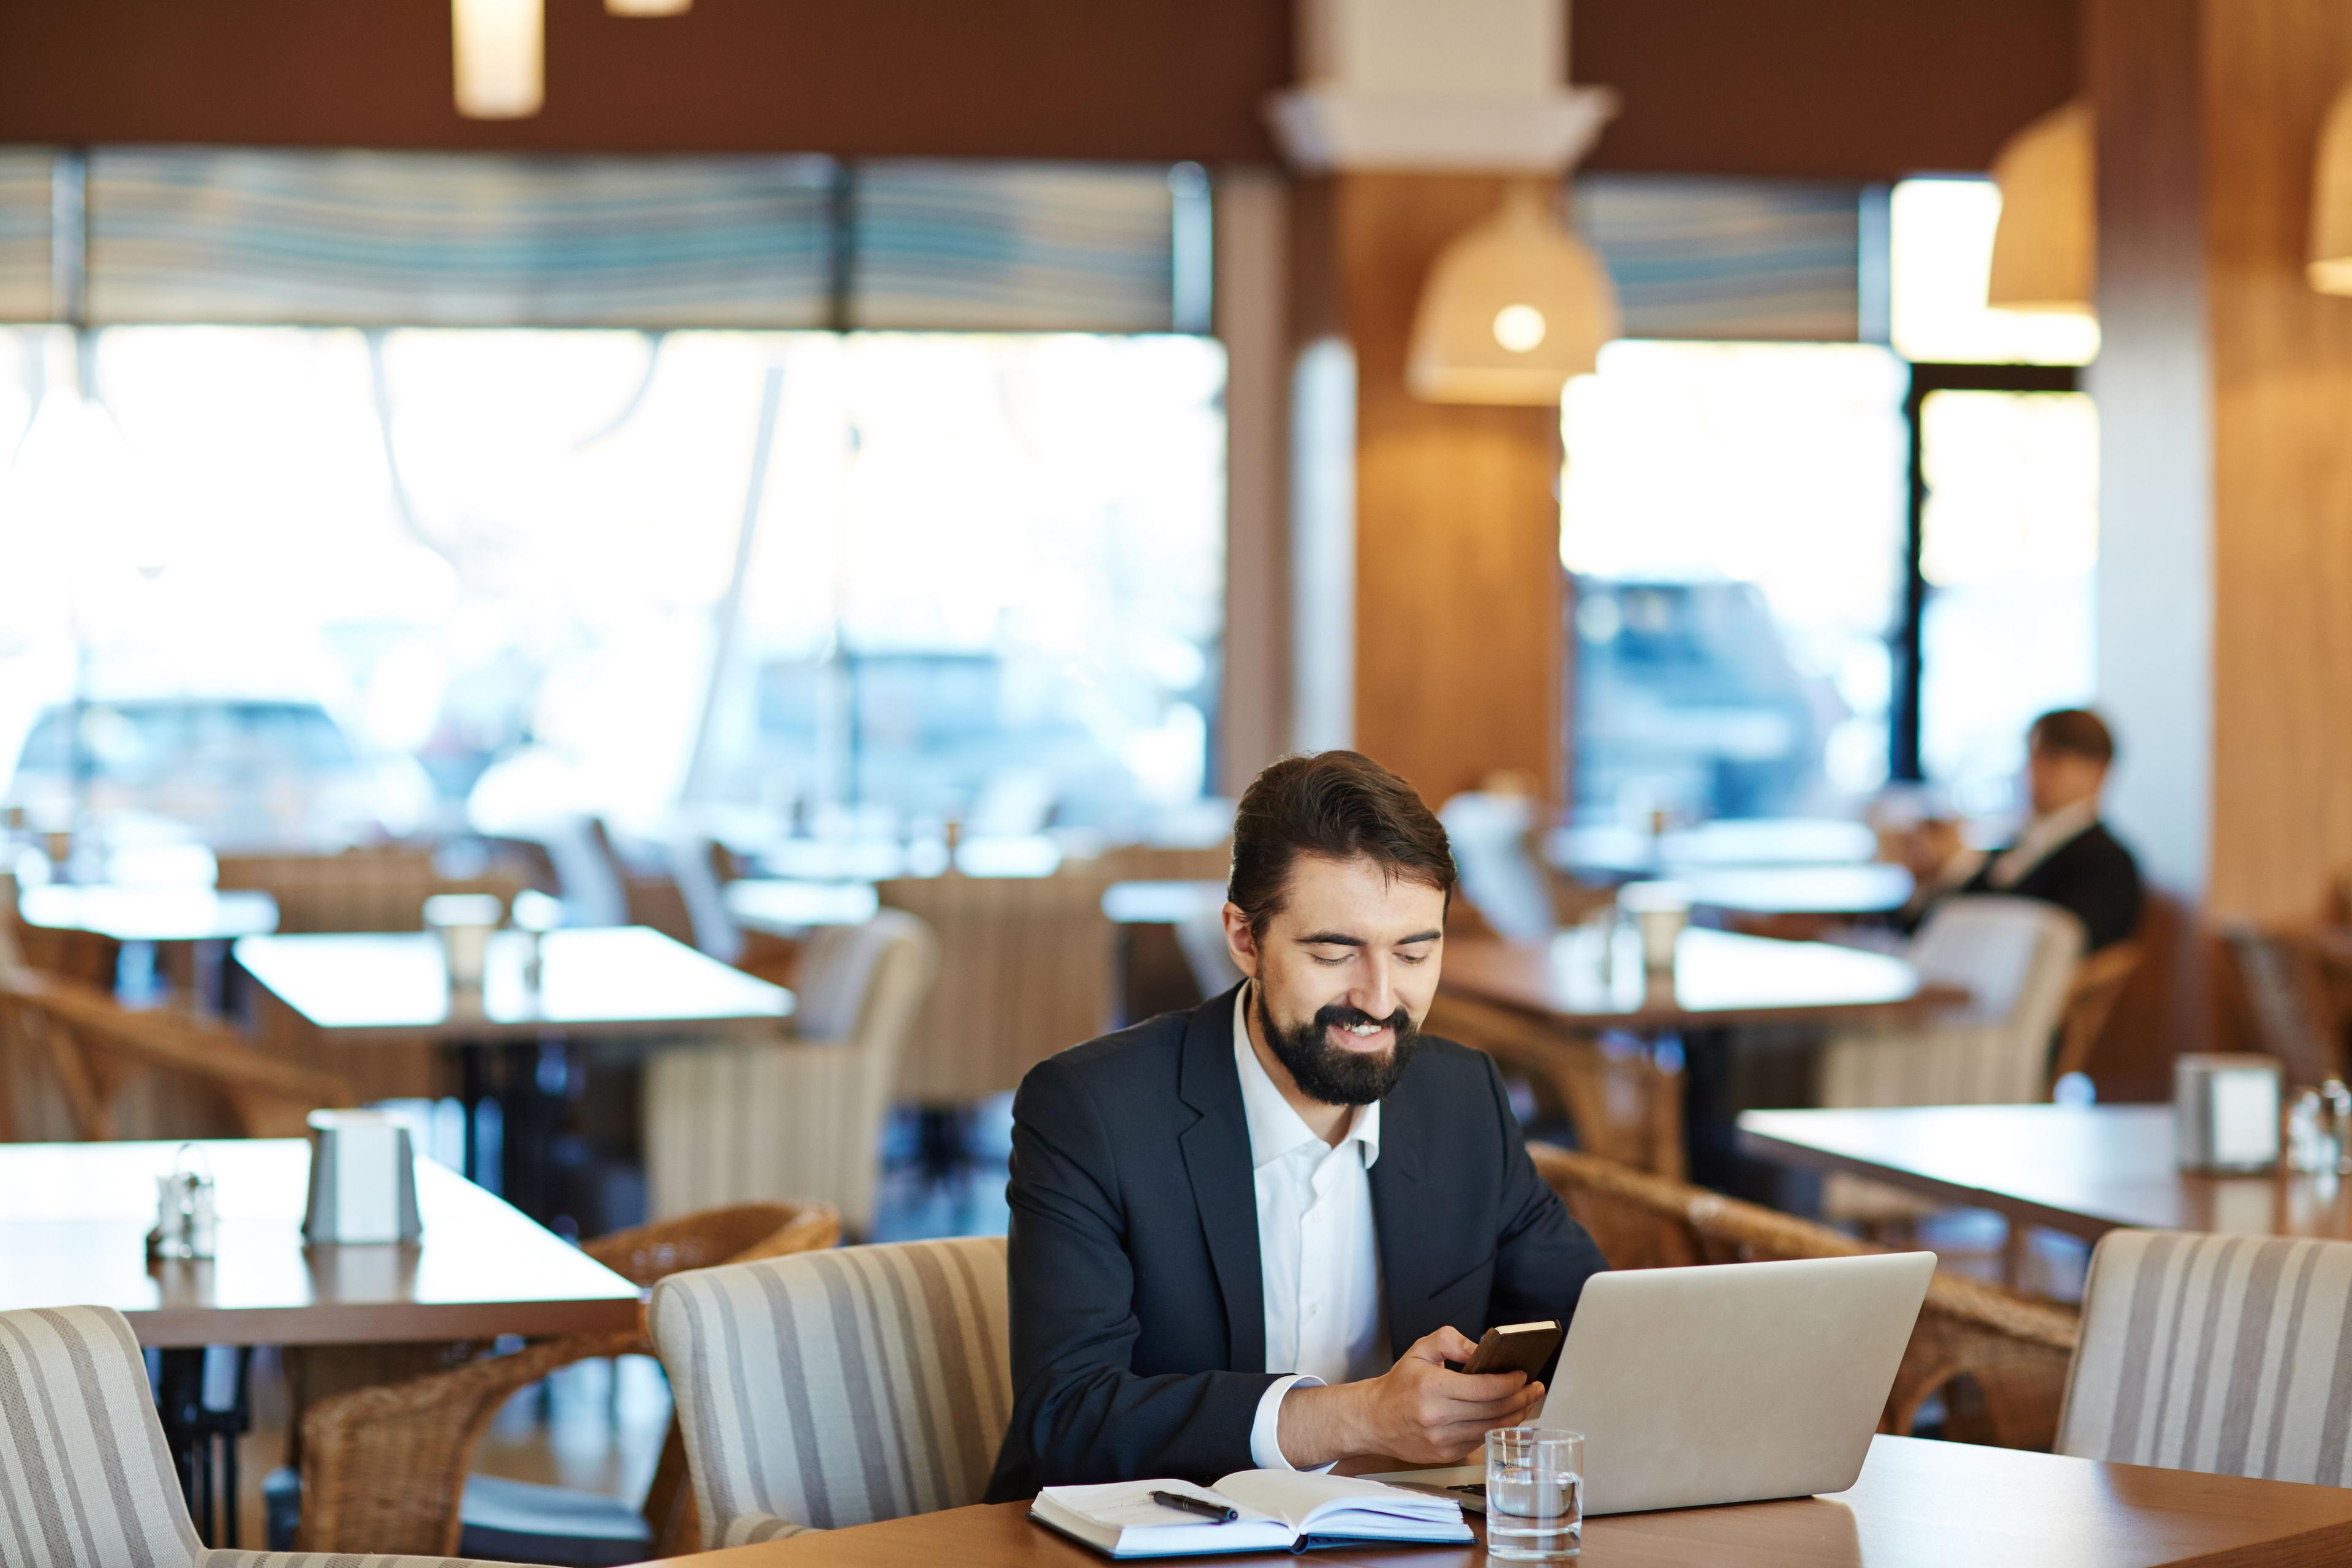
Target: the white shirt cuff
pixel 1265 1432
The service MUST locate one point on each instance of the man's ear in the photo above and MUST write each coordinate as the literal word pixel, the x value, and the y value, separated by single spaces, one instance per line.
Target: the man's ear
pixel 1240 941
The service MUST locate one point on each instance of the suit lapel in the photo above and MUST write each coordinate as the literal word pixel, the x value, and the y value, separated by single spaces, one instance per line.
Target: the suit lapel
pixel 1217 1159
pixel 1401 1216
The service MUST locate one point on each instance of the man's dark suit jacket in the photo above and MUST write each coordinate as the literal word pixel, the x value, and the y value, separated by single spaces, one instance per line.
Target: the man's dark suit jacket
pixel 2092 875
pixel 1138 1313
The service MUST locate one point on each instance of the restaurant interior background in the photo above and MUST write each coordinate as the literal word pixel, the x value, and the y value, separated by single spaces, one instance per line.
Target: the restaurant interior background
pixel 787 462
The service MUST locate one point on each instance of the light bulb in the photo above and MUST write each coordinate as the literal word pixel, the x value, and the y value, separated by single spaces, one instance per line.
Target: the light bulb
pixel 647 7
pixel 1518 327
pixel 501 56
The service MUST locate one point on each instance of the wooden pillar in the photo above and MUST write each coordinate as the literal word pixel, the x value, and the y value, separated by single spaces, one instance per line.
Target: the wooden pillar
pixel 1457 592
pixel 2224 386
pixel 2225 398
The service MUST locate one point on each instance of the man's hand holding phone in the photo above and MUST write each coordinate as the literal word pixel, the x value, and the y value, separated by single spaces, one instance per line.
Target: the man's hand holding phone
pixel 1421 1410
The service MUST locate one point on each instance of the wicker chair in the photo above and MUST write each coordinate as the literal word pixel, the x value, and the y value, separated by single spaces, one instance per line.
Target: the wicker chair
pixel 2099 982
pixel 1999 1361
pixel 1624 1105
pixel 2284 989
pixel 387 1467
pixel 95 1050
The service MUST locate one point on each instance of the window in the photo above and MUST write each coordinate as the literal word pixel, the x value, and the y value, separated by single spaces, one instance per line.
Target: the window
pixel 930 569
pixel 2001 614
pixel 1732 520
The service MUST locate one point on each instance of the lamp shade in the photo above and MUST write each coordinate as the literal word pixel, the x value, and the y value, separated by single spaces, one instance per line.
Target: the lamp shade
pixel 499 51
pixel 2045 250
pixel 2330 268
pixel 1512 308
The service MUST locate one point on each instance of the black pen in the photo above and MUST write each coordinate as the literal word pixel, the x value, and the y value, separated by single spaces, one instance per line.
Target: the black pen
pixel 1215 1510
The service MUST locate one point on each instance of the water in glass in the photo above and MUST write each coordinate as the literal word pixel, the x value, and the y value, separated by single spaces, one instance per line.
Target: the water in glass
pixel 1535 1494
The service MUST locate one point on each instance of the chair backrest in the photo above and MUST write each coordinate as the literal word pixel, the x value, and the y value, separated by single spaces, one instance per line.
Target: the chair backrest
pixel 86 1479
pixel 1493 838
pixel 2286 995
pixel 2230 1354
pixel 2016 958
pixel 1625 1104
pixel 96 1047
pixel 1025 972
pixel 835 987
pixel 1200 938
pixel 2099 982
pixel 12 955
pixel 694 861
pixel 838 1388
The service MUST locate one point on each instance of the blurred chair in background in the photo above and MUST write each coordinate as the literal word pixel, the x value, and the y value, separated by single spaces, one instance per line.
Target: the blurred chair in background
pixel 1624 1103
pixel 1495 852
pixel 1025 970
pixel 771 1434
pixel 1200 938
pixel 2197 1355
pixel 387 1466
pixel 2288 1007
pixel 2099 983
pixel 2016 958
pixel 117 1073
pixel 747 1120
pixel 380 889
pixel 1997 1361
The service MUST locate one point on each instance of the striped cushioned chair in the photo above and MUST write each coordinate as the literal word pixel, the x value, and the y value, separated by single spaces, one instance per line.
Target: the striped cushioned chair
pixel 837 1388
pixel 85 1479
pixel 2225 1354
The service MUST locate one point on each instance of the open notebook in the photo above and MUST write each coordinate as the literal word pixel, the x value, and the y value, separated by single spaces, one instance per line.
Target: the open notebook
pixel 1280 1510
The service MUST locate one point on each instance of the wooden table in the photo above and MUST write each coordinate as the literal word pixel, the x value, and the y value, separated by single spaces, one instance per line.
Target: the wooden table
pixel 2085 1170
pixel 791 907
pixel 74 1222
pixel 73 1226
pixel 336 1001
pixel 159 914
pixel 392 988
pixel 1720 979
pixel 1919 1504
pixel 1871 888
pixel 195 921
pixel 1611 851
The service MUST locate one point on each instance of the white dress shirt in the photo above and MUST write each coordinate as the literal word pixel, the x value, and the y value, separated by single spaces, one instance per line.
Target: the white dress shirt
pixel 1318 1256
pixel 2043 836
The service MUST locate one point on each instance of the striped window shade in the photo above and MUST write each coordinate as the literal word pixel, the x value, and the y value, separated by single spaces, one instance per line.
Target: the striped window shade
pixel 24 260
pixel 1728 258
pixel 437 240
pixel 1012 247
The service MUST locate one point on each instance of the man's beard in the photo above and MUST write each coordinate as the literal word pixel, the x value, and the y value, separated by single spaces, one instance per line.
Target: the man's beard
pixel 1334 1074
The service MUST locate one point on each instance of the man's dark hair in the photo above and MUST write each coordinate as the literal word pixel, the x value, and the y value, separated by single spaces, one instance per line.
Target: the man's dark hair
pixel 2074 731
pixel 1338 806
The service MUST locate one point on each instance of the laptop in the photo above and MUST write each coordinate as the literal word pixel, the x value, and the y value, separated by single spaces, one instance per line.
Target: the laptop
pixel 1731 1383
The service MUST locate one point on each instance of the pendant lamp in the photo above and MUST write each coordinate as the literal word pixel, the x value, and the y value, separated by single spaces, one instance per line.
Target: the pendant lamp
pixel 2330 268
pixel 500 54
pixel 648 7
pixel 2045 248
pixel 1513 307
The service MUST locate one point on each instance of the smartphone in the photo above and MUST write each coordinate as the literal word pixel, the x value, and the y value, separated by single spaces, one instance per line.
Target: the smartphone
pixel 1516 1347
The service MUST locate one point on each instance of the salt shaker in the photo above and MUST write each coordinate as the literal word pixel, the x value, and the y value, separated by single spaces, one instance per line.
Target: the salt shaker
pixel 2307 1145
pixel 186 1221
pixel 2337 1123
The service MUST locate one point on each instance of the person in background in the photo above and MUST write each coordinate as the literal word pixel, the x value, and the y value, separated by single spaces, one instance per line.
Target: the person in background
pixel 1256 1234
pixel 2066 856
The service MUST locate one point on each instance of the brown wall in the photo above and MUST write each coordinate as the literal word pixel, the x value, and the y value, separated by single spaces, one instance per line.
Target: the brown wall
pixel 1458 581
pixel 1869 89
pixel 2282 401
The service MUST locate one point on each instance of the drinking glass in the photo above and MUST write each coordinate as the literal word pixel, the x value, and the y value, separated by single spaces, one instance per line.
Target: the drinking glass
pixel 1535 1494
